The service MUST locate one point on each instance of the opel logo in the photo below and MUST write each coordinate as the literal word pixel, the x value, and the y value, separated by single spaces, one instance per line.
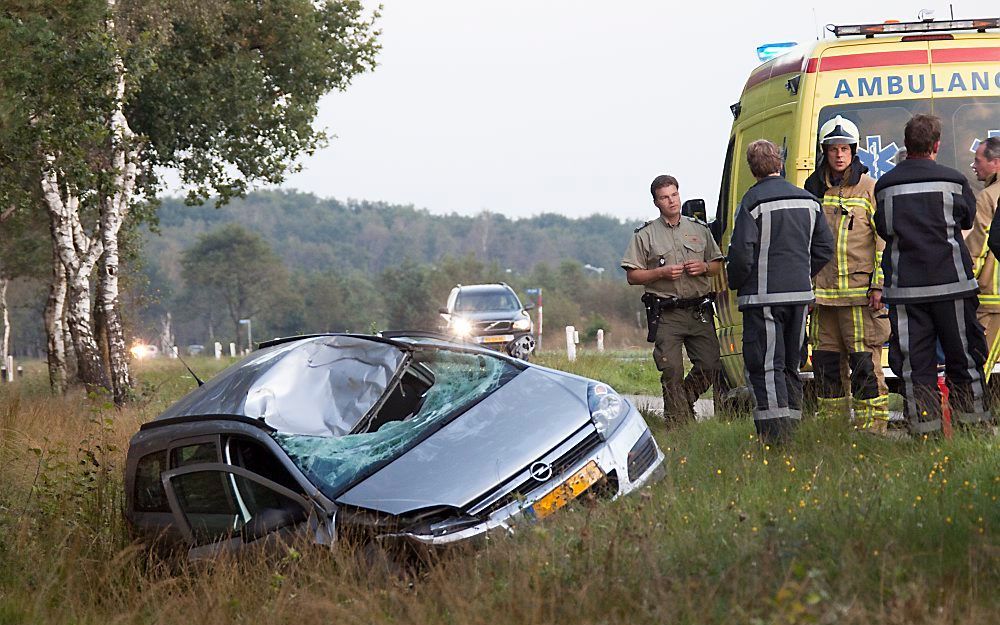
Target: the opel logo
pixel 540 471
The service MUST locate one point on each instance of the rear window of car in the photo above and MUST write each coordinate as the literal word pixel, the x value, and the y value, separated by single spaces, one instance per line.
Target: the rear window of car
pixel 149 493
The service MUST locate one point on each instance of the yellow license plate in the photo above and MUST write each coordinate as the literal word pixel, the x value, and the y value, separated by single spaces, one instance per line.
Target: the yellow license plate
pixel 569 490
pixel 504 338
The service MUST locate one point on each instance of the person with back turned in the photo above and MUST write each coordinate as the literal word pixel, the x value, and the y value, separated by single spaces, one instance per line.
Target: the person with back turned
pixel 922 208
pixel 780 241
pixel 848 324
pixel 674 257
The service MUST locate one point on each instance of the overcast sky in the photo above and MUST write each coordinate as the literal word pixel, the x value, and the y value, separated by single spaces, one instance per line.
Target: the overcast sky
pixel 522 107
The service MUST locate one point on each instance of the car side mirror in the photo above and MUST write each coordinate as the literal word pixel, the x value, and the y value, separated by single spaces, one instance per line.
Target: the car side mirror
pixel 443 311
pixel 529 306
pixel 695 208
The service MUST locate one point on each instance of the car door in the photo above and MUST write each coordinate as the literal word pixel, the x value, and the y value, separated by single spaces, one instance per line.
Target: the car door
pixel 220 507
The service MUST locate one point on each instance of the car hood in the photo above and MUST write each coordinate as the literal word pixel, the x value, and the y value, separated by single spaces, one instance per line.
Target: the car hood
pixel 489 444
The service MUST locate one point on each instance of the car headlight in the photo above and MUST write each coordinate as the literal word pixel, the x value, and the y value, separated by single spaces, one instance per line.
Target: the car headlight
pixel 522 324
pixel 607 408
pixel 461 327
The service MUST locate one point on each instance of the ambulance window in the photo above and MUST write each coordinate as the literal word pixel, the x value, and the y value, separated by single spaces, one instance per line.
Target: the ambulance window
pixel 881 125
pixel 964 121
pixel 723 209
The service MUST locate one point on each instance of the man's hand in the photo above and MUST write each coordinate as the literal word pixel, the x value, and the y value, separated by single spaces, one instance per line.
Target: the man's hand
pixel 695 267
pixel 673 272
pixel 875 300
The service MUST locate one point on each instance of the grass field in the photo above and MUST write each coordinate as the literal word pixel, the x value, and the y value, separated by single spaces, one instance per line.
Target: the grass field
pixel 836 528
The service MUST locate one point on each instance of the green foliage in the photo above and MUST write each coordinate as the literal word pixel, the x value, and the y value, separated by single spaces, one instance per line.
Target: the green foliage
pixel 237 268
pixel 238 82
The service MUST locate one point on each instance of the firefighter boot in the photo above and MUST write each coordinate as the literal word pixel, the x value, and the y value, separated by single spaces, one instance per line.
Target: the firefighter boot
pixel 830 392
pixel 871 409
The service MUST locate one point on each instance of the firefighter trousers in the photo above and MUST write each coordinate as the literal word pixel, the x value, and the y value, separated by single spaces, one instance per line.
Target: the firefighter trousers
pixel 772 346
pixel 851 336
pixel 683 327
pixel 916 331
pixel 991 323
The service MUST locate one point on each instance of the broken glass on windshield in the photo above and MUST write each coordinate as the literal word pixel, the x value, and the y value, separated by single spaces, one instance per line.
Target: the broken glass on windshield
pixel 446 383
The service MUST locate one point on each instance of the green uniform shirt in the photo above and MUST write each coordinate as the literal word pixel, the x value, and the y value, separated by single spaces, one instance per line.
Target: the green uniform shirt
pixel 690 239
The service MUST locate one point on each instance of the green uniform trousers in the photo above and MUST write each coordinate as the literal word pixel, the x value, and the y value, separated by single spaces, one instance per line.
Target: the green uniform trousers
pixel 682 327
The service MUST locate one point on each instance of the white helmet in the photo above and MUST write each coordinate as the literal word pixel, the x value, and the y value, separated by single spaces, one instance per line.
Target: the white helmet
pixel 839 131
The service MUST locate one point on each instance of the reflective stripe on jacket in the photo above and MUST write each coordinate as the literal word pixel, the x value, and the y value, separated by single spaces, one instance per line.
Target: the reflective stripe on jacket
pixel 849 208
pixel 922 209
pixel 984 262
pixel 779 242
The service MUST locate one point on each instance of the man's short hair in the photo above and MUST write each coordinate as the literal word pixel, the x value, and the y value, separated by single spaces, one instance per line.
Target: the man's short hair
pixel 921 133
pixel 764 158
pixel 992 149
pixel 664 180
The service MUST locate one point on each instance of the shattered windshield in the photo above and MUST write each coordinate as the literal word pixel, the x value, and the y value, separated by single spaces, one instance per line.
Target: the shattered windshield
pixel 320 386
pixel 438 386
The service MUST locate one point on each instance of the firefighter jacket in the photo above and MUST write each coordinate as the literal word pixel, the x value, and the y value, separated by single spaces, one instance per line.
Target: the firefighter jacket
pixel 922 208
pixel 984 262
pixel 780 240
pixel 849 209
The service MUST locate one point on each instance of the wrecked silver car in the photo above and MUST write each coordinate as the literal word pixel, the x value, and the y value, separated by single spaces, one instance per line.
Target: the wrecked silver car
pixel 408 438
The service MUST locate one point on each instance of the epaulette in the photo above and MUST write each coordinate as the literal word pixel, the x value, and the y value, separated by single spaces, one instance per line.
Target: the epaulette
pixel 644 225
pixel 697 221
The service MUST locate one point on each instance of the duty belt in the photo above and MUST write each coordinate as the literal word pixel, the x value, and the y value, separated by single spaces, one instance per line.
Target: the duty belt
pixel 655 305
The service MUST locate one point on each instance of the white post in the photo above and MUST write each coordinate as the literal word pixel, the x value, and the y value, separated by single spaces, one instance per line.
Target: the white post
pixel 600 340
pixel 218 350
pixel 174 351
pixel 232 350
pixel 570 343
pixel 10 368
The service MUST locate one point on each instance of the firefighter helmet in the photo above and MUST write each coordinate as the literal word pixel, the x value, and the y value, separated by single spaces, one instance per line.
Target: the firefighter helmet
pixel 839 131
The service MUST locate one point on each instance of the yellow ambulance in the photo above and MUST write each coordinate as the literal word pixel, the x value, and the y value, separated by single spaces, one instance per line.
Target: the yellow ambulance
pixel 878 76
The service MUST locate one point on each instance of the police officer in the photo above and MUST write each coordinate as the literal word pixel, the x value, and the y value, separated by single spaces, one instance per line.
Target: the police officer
pixel 848 321
pixel 922 207
pixel 673 257
pixel 780 241
pixel 984 262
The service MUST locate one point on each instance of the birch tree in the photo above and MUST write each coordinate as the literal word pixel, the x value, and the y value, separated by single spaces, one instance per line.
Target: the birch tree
pixel 105 94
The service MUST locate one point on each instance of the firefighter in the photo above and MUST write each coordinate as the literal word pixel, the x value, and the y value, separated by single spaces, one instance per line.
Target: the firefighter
pixel 780 241
pixel 984 262
pixel 849 322
pixel 921 209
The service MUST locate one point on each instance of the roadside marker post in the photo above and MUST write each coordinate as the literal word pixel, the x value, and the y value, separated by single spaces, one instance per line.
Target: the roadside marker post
pixel 570 343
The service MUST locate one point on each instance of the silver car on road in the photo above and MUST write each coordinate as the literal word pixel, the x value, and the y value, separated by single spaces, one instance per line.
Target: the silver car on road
pixel 397 438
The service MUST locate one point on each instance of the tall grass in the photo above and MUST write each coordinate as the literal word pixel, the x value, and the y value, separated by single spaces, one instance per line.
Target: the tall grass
pixel 838 527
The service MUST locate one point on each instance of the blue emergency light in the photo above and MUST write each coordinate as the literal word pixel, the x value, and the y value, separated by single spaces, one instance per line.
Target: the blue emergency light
pixel 768 51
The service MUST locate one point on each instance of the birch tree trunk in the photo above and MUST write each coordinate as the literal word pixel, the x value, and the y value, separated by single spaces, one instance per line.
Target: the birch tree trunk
pixel 5 348
pixel 114 208
pixel 77 253
pixel 54 331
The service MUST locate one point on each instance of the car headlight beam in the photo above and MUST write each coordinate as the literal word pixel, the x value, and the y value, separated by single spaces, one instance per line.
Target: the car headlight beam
pixel 607 408
pixel 461 327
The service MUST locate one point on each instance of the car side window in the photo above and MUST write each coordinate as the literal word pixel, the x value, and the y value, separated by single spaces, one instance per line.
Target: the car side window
pixel 253 456
pixel 149 493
